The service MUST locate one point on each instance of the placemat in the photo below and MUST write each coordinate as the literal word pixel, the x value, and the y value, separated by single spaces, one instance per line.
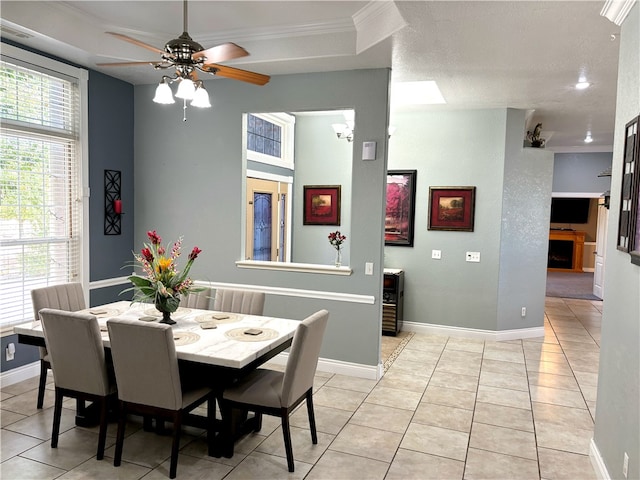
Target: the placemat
pixel 238 334
pixel 185 338
pixel 102 312
pixel 211 317
pixel 181 312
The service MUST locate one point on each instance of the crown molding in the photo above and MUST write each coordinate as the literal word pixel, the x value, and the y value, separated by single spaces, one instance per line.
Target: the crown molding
pixel 376 21
pixel 617 10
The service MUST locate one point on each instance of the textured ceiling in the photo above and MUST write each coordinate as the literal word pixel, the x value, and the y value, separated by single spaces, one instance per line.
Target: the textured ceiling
pixel 517 54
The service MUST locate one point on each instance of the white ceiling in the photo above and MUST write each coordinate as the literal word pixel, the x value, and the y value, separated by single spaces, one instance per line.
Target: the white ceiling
pixel 517 54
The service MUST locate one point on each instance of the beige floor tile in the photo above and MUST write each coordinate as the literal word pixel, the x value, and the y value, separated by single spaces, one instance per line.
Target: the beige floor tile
pixel 198 448
pixel 351 383
pixel 554 381
pixel 450 397
pixel 338 465
pixel 454 381
pixel 533 357
pixel 367 442
pixel 12 444
pixel 419 356
pixel 584 365
pixel 260 465
pixel 403 381
pixel 23 468
pixel 507 346
pixel 504 356
pixel 564 438
pixel 382 417
pixel 413 368
pixel 540 348
pixel 104 469
pixel 504 396
pixel 559 465
pixel 25 403
pixel 40 425
pixel 557 396
pixel 328 420
pixel 338 398
pixel 74 447
pixel 508 368
pixel 7 417
pixel 24 386
pixel 436 441
pixel 482 464
pixel 501 380
pixel 303 448
pixel 392 397
pixel 408 465
pixel 503 440
pixel 191 468
pixel 502 416
pixel 458 367
pixel 465 345
pixel 586 378
pixel 443 416
pixel 550 367
pixel 561 415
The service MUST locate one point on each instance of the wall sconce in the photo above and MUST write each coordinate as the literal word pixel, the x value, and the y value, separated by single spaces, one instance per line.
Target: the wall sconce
pixel 345 130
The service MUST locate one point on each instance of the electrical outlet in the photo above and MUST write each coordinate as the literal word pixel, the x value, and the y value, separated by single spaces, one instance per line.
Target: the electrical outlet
pixel 436 254
pixel 524 312
pixel 625 465
pixel 10 352
pixel 473 257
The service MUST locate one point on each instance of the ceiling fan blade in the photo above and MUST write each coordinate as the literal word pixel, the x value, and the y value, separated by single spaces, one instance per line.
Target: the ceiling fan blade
pixel 236 74
pixel 136 42
pixel 221 53
pixel 128 64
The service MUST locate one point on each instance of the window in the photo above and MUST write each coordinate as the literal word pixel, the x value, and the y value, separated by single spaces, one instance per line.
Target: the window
pixel 42 108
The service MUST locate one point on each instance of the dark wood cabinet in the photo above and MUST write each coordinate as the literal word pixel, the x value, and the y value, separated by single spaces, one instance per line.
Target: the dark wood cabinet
pixel 392 301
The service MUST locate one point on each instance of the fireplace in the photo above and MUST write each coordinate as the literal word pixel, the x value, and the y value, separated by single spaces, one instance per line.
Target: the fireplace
pixel 560 254
pixel 565 250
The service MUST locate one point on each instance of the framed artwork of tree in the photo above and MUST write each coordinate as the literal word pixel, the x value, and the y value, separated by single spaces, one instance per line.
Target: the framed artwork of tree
pixel 400 211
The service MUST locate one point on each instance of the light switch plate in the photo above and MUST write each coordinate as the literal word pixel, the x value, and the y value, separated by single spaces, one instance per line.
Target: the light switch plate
pixel 436 254
pixel 473 257
pixel 368 268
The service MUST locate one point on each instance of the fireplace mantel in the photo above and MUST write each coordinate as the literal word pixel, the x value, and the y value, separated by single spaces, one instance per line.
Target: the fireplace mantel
pixel 578 247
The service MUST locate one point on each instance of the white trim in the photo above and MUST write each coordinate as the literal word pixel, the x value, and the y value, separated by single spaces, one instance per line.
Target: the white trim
pixel 274 177
pixel 498 336
pixel 370 372
pixel 576 194
pixel 582 149
pixel 295 292
pixel 19 374
pixel 294 267
pixel 617 10
pixel 597 462
pixel 108 282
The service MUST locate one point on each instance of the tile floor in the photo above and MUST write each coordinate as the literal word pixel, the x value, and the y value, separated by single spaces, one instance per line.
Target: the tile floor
pixel 447 408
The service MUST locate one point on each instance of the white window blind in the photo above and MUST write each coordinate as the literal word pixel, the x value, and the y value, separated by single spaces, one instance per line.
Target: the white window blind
pixel 40 185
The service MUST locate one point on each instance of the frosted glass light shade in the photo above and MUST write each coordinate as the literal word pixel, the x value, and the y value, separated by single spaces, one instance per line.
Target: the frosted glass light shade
pixel 164 94
pixel 186 89
pixel 201 98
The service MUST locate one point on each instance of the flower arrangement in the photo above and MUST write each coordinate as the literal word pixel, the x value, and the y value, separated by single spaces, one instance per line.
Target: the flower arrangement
pixel 163 283
pixel 336 239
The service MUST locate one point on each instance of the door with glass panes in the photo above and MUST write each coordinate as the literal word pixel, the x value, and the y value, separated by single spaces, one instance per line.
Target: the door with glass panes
pixel 266 220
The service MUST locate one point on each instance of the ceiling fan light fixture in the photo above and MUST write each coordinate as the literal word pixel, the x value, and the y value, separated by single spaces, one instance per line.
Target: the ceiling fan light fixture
pixel 164 95
pixel 201 98
pixel 186 89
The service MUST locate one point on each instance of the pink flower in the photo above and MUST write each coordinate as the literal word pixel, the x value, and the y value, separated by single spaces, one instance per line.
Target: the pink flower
pixel 154 237
pixel 194 253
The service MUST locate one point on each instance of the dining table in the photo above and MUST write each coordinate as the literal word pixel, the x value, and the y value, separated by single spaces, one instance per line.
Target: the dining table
pixel 217 346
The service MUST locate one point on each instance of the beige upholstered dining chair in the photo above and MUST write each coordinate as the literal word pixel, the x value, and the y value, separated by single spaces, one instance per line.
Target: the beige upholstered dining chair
pixel 239 301
pixel 68 297
pixel 146 367
pixel 278 393
pixel 199 300
pixel 77 358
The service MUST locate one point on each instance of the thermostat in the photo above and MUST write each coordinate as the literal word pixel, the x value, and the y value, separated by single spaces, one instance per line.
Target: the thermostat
pixel 368 150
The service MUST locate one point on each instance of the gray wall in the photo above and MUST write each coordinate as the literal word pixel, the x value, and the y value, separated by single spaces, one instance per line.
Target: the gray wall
pixel 321 159
pixel 189 181
pixel 578 172
pixel 617 416
pixel 481 148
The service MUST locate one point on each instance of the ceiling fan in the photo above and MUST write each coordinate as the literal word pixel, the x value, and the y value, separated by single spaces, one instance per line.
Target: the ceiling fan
pixel 187 57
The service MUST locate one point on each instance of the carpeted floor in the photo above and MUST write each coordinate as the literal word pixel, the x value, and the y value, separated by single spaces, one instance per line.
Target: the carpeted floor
pixel 571 285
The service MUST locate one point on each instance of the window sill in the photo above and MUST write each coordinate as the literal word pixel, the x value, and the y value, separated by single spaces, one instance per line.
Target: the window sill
pixel 294 267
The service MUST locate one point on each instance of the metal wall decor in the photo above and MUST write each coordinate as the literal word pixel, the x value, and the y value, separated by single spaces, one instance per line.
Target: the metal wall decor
pixel 628 193
pixel 112 197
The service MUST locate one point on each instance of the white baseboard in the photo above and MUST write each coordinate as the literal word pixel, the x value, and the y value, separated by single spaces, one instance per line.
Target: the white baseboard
pixel 498 336
pixel 370 372
pixel 19 374
pixel 597 462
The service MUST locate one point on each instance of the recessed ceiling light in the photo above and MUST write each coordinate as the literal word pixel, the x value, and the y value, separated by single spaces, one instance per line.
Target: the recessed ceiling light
pixel 582 85
pixel 588 138
pixel 416 93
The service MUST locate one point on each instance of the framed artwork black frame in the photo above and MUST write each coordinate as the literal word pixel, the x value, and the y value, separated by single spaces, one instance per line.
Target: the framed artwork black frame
pixel 399 220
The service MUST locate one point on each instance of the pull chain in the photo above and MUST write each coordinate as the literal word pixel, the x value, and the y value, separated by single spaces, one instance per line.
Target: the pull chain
pixel 184 109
